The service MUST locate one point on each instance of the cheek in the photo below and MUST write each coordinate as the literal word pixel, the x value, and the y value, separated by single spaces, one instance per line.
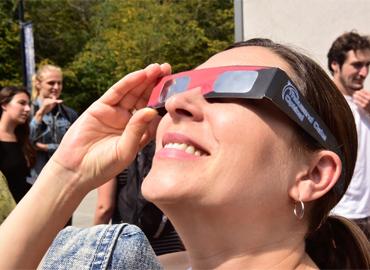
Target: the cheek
pixel 43 91
pixel 349 71
pixel 243 137
pixel 45 88
pixel 252 154
pixel 11 110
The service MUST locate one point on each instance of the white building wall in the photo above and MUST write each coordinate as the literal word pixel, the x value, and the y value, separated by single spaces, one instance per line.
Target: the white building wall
pixel 312 25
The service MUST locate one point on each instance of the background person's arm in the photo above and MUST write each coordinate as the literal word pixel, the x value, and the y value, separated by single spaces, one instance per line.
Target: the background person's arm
pixel 106 202
pixel 99 145
pixel 47 105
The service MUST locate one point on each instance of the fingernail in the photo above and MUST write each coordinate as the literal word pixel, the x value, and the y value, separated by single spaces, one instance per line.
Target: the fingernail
pixel 149 114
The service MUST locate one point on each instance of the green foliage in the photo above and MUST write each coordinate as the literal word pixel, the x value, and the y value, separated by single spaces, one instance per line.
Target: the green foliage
pixel 139 33
pixel 61 27
pixel 10 51
pixel 97 42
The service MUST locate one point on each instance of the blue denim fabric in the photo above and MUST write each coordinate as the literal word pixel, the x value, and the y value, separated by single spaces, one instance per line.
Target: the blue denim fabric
pixel 120 246
pixel 49 131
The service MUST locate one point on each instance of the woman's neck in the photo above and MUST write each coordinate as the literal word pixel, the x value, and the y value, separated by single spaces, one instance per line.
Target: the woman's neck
pixel 288 254
pixel 7 130
pixel 224 242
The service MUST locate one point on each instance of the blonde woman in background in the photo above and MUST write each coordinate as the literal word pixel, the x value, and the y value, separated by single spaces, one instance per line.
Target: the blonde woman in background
pixel 50 118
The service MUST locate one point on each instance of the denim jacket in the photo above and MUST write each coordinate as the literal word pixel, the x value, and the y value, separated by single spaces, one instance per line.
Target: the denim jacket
pixel 49 131
pixel 120 246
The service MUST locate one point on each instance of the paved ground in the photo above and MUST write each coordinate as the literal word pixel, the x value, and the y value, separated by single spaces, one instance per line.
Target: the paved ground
pixel 83 216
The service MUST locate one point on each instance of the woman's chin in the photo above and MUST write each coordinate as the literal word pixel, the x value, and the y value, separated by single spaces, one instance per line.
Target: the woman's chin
pixel 161 189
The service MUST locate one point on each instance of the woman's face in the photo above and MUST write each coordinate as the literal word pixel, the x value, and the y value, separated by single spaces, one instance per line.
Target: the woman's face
pixel 225 152
pixel 50 85
pixel 18 109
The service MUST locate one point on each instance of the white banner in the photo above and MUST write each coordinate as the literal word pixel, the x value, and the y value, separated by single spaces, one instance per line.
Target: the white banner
pixel 29 54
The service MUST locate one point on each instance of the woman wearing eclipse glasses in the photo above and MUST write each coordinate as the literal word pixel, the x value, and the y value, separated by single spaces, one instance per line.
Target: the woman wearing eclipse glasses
pixel 252 154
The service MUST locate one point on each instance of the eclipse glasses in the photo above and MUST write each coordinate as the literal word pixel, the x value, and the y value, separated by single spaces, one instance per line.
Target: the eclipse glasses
pixel 248 82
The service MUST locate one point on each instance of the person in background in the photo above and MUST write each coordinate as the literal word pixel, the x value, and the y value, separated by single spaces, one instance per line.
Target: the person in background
pixel 50 117
pixel 16 152
pixel 7 202
pixel 252 153
pixel 348 62
pixel 121 201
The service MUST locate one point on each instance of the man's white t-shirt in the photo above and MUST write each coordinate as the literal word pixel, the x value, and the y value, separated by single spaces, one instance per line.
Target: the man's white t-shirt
pixel 355 203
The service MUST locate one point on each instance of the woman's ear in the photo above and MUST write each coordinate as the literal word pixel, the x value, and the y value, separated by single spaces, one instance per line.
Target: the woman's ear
pixel 318 178
pixel 37 86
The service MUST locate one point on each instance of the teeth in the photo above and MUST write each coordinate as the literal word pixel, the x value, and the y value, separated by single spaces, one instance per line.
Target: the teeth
pixel 184 147
pixel 190 149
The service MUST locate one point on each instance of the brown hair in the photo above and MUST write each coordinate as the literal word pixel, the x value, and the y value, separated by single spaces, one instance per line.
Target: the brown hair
pixel 22 131
pixel 345 43
pixel 38 77
pixel 332 234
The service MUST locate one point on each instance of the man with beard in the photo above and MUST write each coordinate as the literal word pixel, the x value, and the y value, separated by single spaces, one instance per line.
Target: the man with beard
pixel 348 62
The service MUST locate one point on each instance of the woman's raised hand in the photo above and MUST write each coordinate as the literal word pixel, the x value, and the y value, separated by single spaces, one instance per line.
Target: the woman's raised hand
pixel 107 136
pixel 103 141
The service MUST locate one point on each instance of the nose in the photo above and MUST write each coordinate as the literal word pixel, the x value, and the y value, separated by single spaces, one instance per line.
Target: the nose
pixel 187 105
pixel 364 71
pixel 27 108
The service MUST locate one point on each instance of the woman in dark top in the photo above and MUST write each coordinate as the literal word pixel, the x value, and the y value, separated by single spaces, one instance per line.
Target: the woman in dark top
pixel 16 152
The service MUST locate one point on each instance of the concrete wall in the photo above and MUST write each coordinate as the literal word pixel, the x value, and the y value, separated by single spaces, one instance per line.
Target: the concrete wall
pixel 309 24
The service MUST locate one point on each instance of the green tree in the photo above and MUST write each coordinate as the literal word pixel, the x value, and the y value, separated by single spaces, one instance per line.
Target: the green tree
pixel 216 18
pixel 61 28
pixel 10 50
pixel 96 42
pixel 138 33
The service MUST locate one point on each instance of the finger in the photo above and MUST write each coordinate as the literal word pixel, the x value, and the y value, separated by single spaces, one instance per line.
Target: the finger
pixel 131 86
pixel 166 69
pixel 141 93
pixel 143 100
pixel 360 100
pixel 150 133
pixel 114 94
pixel 132 99
pixel 363 94
pixel 129 143
pixel 145 139
pixel 358 97
pixel 153 126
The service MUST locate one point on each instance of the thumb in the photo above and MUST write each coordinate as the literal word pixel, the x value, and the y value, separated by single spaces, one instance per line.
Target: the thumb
pixel 129 143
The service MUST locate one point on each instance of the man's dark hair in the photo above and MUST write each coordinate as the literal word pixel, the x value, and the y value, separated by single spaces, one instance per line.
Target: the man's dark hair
pixel 345 43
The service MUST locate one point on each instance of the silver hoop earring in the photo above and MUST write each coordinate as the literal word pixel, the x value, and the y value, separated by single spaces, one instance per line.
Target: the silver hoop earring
pixel 299 209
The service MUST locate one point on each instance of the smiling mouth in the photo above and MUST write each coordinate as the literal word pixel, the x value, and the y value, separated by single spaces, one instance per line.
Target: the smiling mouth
pixel 190 149
pixel 358 79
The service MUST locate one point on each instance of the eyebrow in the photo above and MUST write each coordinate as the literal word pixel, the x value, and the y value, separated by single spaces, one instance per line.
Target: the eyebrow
pixel 54 81
pixel 23 100
pixel 360 63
